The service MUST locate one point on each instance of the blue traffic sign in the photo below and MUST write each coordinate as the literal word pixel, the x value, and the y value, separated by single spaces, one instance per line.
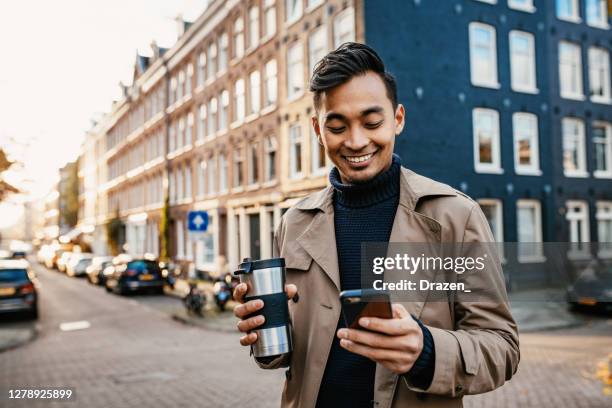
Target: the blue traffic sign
pixel 197 221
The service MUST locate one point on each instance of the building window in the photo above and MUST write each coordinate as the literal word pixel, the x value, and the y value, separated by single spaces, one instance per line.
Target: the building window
pixel 188 78
pixel 295 151
pixel 483 55
pixel 599 75
pixel 223 52
pixel 486 141
pixel 295 71
pixel 223 170
pixel 522 62
pixel 180 137
pixel 173 90
pixel 523 5
pixel 187 169
pixel 492 209
pixel 317 153
pixel 212 60
pixel 238 160
pixel 172 187
pixel 604 227
pixel 239 100
pixel 202 122
pixel 344 27
pixel 578 218
pixel 568 10
pixel 189 129
pixel 255 91
pixel 270 146
pixel 570 71
pixel 224 110
pixel 270 85
pixel 201 74
pixel 526 146
pixel 171 138
pixel 529 224
pixel 238 39
pixel 602 144
pixel 574 151
pixel 293 10
pixel 211 171
pixel 253 26
pixel 181 85
pixel 180 240
pixel 317 47
pixel 212 121
pixel 201 171
pixel 597 13
pixel 253 163
pixel 179 184
pixel 269 18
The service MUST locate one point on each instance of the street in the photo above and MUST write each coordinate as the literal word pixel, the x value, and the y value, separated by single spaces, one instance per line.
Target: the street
pixel 134 355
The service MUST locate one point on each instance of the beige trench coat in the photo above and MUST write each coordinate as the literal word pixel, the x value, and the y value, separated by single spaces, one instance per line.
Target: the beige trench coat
pixel 476 344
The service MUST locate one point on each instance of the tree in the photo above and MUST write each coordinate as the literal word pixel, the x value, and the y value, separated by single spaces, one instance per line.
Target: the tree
pixel 5 188
pixel 115 233
pixel 164 232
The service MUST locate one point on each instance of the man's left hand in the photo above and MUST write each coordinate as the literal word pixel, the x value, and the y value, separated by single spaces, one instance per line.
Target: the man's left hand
pixel 395 343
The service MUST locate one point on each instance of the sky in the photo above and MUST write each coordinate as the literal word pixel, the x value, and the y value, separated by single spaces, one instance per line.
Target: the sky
pixel 61 64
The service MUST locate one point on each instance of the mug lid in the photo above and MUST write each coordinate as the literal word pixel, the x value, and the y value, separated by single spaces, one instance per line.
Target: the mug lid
pixel 248 265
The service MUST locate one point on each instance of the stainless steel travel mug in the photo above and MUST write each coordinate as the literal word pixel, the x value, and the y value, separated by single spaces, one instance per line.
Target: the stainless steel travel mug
pixel 265 280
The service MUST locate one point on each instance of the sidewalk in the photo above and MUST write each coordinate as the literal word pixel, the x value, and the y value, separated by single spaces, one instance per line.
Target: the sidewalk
pixel 13 335
pixel 542 309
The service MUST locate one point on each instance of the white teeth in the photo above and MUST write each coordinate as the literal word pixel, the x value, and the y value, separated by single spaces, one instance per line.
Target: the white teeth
pixel 359 159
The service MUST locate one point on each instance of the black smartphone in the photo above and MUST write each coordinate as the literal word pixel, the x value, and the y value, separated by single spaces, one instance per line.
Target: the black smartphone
pixel 360 303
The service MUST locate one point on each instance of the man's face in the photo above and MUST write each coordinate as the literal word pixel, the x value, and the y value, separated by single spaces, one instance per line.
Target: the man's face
pixel 357 126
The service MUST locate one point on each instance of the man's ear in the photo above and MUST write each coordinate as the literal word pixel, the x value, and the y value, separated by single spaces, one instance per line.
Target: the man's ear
pixel 400 116
pixel 315 125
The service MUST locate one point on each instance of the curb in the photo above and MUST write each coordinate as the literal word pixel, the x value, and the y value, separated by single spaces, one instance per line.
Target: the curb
pixel 14 343
pixel 203 323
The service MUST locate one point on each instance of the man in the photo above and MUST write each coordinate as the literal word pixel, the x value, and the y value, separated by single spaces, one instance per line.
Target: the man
pixel 429 353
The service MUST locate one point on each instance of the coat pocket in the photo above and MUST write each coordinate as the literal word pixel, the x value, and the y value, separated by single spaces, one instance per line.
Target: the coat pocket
pixel 469 354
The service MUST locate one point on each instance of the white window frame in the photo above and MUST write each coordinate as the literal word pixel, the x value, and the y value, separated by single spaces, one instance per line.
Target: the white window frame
pixel 270 145
pixel 572 18
pixel 344 26
pixel 293 13
pixel 239 100
pixel 532 169
pixel 574 64
pixel 213 108
pixel 253 27
pixel 578 220
pixel 495 166
pixel 293 140
pixel 202 171
pixel 211 173
pixel 316 48
pixel 596 56
pixel 180 239
pixel 189 130
pixel 211 61
pixel 254 92
pixel 269 18
pixel 238 38
pixel 524 5
pixel 537 208
pixel 295 71
pixel 224 111
pixel 315 153
pixel 603 11
pixel 492 82
pixel 202 123
pixel 223 57
pixel 531 85
pixel 270 83
pixel 253 179
pixel 201 70
pixel 187 170
pixel 607 145
pixel 604 217
pixel 498 234
pixel 581 165
pixel 237 168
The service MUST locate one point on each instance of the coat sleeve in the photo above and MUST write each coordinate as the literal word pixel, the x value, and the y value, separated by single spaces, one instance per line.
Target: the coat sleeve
pixel 283 360
pixel 482 352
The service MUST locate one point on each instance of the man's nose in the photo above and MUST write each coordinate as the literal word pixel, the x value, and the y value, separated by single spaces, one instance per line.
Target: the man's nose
pixel 356 140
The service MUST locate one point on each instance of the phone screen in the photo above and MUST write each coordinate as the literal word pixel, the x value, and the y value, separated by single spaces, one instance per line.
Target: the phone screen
pixel 363 303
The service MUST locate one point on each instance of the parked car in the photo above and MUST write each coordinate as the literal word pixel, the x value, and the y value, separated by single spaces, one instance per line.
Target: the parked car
pixel 132 275
pixel 95 271
pixel 18 288
pixel 45 252
pixel 78 263
pixel 63 260
pixel 593 287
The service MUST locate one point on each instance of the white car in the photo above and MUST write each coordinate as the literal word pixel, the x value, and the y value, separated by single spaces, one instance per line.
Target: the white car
pixel 78 263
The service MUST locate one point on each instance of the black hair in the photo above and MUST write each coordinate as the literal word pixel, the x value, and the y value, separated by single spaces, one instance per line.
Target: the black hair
pixel 345 62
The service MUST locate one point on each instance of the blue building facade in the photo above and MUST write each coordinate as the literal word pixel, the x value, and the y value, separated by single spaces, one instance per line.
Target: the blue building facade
pixel 508 101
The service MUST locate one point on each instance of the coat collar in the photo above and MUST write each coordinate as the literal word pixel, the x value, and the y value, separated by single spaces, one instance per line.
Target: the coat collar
pixel 413 187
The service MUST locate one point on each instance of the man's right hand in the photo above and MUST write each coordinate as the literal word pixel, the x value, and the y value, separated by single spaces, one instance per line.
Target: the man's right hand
pixel 244 309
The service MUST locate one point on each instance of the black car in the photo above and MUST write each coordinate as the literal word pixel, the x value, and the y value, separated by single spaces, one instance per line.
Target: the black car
pixel 95 271
pixel 17 288
pixel 592 288
pixel 134 275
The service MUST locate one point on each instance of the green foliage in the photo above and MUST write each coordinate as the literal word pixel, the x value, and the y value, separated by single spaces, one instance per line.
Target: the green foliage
pixel 164 232
pixel 115 234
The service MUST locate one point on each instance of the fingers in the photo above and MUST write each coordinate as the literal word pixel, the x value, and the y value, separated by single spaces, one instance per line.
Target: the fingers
pixel 239 292
pixel 370 339
pixel 392 327
pixel 244 309
pixel 291 290
pixel 374 353
pixel 248 339
pixel 399 311
pixel 250 323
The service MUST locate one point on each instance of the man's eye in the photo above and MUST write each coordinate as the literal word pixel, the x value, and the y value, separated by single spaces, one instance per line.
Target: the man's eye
pixel 336 130
pixel 373 125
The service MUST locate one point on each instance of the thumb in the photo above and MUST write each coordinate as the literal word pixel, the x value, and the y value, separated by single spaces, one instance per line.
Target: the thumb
pixel 399 311
pixel 291 290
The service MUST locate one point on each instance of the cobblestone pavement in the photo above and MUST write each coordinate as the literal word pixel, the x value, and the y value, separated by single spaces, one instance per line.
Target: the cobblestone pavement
pixel 135 355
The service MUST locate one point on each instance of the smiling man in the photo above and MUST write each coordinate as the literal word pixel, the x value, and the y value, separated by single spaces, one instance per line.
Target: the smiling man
pixel 429 353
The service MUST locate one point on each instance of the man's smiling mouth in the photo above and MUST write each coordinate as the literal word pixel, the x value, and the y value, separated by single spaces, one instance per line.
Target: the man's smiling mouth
pixel 359 159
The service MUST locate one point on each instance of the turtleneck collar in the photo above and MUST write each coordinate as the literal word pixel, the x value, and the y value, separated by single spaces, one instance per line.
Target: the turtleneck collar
pixel 380 188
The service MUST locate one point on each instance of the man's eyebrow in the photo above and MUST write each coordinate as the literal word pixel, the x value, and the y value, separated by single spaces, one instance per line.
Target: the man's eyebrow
pixel 365 112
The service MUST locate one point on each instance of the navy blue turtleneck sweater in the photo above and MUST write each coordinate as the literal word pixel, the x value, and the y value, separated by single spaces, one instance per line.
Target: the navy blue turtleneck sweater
pixel 363 213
